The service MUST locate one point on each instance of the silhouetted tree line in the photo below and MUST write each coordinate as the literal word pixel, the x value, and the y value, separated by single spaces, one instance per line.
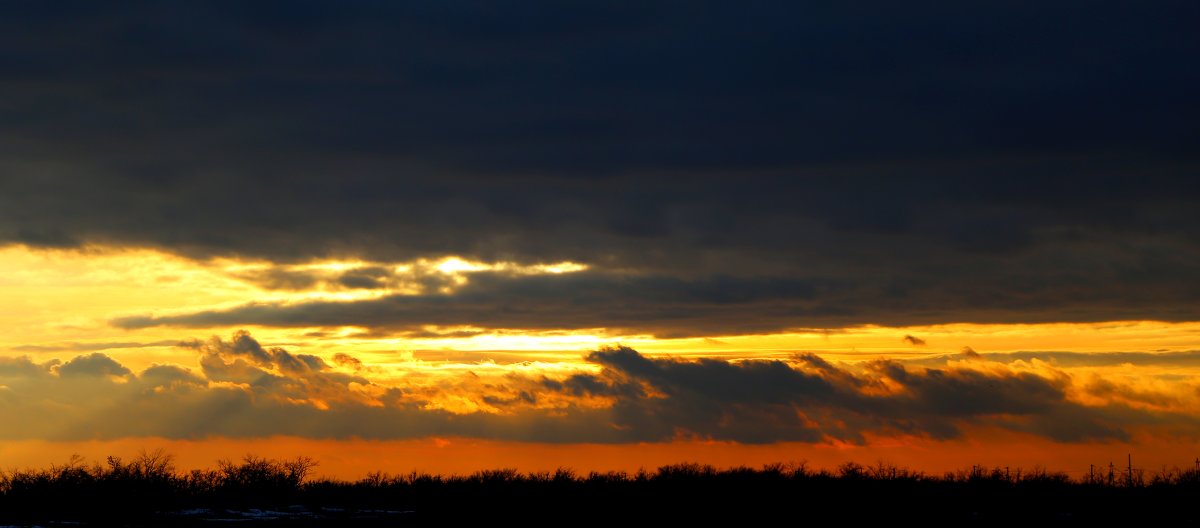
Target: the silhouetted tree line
pixel 148 490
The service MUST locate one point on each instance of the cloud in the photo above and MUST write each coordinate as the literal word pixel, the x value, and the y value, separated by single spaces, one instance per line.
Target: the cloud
pixel 276 278
pixel 346 360
pixel 762 401
pixel 936 164
pixel 418 276
pixel 1016 400
pixel 245 389
pixel 243 346
pixel 1109 389
pixel 661 305
pixel 170 375
pixel 75 346
pixel 1074 359
pixel 913 340
pixel 24 367
pixel 95 364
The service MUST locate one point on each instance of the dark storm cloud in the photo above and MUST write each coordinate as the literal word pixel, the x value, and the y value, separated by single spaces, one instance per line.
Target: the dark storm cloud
pixel 995 160
pixel 667 306
pixel 662 305
pixel 758 401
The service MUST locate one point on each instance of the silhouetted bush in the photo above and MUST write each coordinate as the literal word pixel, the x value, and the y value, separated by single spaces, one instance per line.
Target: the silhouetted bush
pixel 149 490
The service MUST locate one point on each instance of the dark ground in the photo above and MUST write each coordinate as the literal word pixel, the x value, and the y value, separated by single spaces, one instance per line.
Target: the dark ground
pixel 261 492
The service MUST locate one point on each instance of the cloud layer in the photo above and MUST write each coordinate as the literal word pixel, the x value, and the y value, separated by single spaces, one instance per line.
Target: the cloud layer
pixel 243 389
pixel 779 164
pixel 669 306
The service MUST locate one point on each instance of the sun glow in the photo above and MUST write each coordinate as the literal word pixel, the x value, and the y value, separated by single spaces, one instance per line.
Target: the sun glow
pixel 59 305
pixel 57 300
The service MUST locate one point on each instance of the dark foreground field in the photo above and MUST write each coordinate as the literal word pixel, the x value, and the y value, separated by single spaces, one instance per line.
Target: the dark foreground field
pixel 148 491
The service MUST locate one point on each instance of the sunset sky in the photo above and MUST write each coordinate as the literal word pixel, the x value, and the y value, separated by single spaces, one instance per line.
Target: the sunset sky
pixel 451 236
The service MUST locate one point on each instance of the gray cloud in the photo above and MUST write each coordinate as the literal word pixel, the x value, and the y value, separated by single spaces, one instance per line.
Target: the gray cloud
pixel 170 375
pixel 243 346
pixel 95 364
pixel 761 401
pixel 1107 389
pixel 662 305
pixel 280 279
pixel 361 278
pixel 24 367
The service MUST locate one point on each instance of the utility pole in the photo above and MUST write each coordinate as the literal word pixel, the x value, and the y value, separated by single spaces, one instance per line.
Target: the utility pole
pixel 1110 473
pixel 1130 459
pixel 1091 473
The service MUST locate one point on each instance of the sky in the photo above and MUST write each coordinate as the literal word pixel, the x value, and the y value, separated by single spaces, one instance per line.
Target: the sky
pixel 453 235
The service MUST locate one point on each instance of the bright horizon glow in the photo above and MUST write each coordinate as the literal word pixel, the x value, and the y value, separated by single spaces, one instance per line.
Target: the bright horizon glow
pixel 352 459
pixel 59 304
